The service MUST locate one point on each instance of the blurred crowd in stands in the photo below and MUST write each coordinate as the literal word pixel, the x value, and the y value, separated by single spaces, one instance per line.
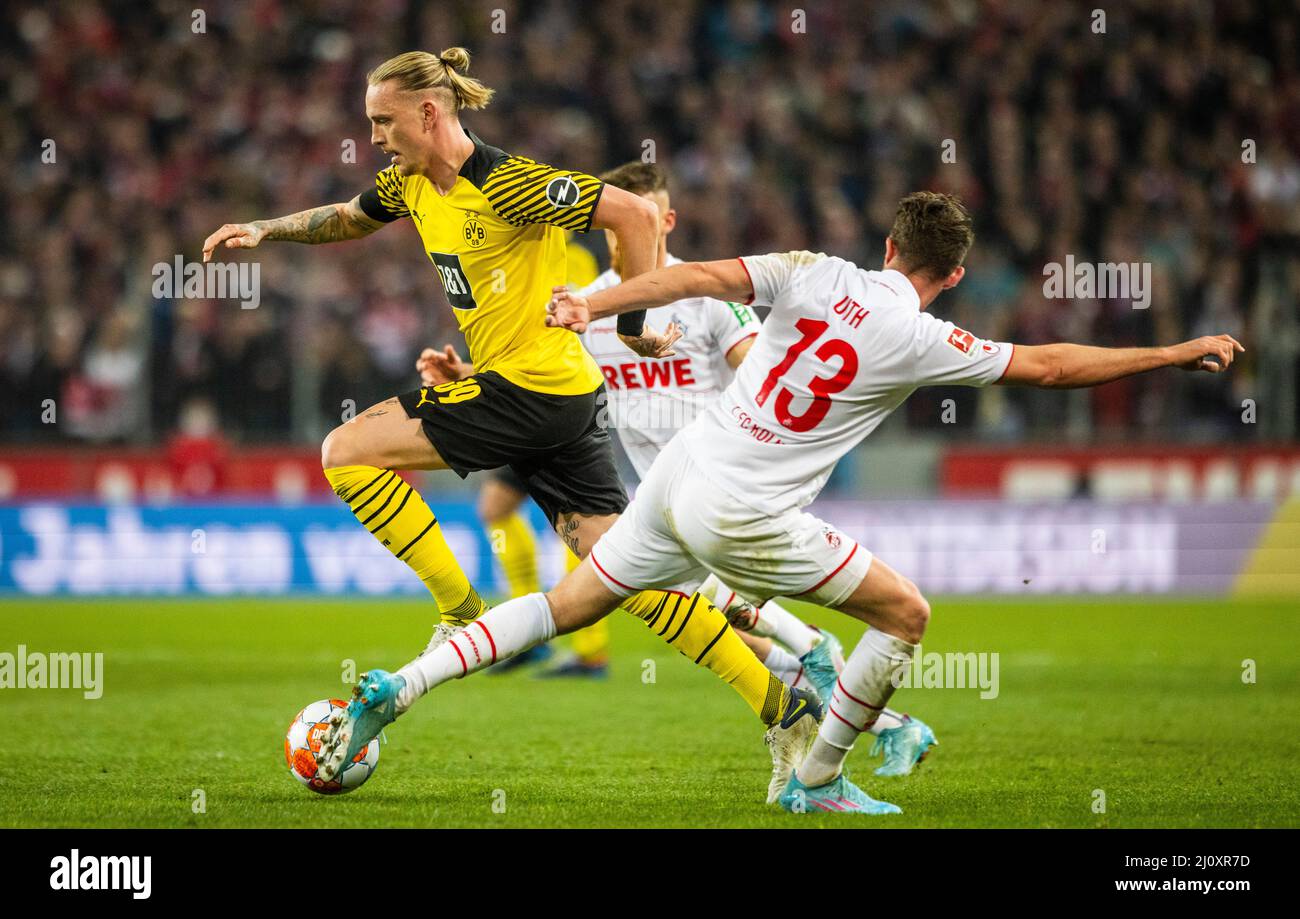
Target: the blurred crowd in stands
pixel 1167 133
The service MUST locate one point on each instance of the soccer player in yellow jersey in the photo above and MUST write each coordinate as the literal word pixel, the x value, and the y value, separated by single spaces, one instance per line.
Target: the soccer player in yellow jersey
pixel 500 498
pixel 493 227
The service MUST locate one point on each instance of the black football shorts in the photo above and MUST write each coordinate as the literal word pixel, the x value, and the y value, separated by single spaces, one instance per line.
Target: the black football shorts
pixel 509 478
pixel 557 445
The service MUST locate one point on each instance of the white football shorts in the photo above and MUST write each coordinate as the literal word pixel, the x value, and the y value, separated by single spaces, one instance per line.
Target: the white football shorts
pixel 681 527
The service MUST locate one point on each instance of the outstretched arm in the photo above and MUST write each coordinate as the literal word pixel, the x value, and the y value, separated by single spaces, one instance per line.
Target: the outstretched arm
pixel 326 224
pixel 1066 366
pixel 723 280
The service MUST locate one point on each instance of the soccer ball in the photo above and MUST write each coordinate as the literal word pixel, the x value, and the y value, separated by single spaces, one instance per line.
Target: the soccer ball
pixel 304 738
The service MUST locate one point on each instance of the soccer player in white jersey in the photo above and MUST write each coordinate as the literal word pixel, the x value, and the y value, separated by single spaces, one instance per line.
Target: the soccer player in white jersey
pixel 841 349
pixel 652 399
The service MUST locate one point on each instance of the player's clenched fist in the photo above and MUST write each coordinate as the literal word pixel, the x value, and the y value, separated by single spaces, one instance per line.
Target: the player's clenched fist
pixel 1212 353
pixel 235 236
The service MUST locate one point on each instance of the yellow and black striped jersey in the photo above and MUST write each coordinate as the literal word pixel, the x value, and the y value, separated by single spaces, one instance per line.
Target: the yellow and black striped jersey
pixel 497 240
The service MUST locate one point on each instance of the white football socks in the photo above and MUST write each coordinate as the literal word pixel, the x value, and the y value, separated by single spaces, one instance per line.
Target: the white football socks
pixel 786 628
pixel 501 632
pixel 783 664
pixel 888 719
pixel 771 620
pixel 858 702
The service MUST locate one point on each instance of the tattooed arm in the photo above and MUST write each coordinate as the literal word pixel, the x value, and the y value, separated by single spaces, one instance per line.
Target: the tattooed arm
pixel 326 224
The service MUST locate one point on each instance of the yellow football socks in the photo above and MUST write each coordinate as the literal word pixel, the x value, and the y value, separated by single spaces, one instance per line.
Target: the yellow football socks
pixel 694 627
pixel 397 516
pixel 590 645
pixel 515 546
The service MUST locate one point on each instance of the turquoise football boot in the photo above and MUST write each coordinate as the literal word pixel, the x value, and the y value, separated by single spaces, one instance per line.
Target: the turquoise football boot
pixel 822 665
pixel 838 797
pixel 904 746
pixel 372 707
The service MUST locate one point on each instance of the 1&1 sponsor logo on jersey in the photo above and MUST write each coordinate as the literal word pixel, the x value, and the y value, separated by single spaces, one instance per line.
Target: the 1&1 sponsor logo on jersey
pixel 459 294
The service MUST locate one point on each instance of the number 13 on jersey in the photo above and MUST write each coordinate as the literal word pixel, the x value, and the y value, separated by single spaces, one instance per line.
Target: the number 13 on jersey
pixel 822 388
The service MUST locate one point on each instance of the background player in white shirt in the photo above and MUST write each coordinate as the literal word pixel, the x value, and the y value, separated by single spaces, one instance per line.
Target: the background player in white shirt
pixel 841 349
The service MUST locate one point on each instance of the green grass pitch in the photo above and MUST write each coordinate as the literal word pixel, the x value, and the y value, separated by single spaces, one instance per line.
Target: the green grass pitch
pixel 1142 699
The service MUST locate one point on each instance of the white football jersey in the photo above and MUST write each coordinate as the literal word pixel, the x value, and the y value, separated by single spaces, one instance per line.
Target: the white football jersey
pixel 841 349
pixel 650 399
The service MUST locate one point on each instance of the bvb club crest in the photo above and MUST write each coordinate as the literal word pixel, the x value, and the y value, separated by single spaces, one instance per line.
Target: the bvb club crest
pixel 473 231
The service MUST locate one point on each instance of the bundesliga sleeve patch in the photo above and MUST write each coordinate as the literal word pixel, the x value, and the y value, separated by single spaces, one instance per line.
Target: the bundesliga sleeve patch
pixel 962 340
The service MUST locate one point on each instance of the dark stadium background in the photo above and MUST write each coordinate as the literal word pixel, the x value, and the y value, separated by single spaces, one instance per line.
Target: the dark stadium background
pixel 1118 147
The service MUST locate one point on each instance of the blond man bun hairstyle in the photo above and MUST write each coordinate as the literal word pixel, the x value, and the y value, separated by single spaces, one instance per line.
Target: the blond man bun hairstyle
pixel 415 71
